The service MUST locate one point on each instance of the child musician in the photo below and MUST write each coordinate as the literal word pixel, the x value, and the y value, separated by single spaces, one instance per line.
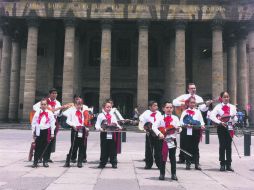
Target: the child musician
pixel 166 129
pixel 43 126
pixel 75 119
pixel 193 123
pixel 225 130
pixel 151 143
pixel 109 141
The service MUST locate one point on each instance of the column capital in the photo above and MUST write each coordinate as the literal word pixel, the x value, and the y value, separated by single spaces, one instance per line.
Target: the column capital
pixel 106 24
pixel 143 24
pixel 180 24
pixel 33 21
pixel 217 24
pixel 70 22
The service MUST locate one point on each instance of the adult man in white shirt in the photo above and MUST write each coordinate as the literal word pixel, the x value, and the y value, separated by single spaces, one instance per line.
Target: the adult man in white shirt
pixel 180 105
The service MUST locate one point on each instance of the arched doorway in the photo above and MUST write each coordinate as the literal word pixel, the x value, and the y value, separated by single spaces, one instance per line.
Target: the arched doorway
pixel 92 99
pixel 124 103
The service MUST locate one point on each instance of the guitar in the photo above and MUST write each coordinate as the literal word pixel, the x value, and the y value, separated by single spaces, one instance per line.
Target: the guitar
pixel 189 122
pixel 184 105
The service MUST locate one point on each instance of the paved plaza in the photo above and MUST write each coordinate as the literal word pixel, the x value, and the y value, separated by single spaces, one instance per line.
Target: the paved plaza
pixel 16 172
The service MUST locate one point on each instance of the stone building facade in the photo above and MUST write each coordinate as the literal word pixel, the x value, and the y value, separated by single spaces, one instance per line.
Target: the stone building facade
pixel 130 50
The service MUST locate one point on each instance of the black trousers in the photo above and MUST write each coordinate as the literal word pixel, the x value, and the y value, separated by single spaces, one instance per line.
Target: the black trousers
pixel 192 146
pixel 75 148
pixel 225 146
pixel 108 150
pixel 182 145
pixel 172 159
pixel 152 151
pixel 41 143
pixel 77 144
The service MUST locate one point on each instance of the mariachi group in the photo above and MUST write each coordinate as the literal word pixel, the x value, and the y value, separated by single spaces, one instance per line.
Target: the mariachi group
pixel 182 115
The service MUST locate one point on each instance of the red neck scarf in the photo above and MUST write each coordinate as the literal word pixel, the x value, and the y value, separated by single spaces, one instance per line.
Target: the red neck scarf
pixel 52 103
pixel 43 114
pixel 79 115
pixel 153 115
pixel 226 109
pixel 168 120
pixel 190 112
pixel 108 117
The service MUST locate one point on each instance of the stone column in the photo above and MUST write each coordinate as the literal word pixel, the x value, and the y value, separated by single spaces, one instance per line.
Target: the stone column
pixel 251 74
pixel 68 68
pixel 5 73
pixel 142 83
pixel 232 65
pixel 169 88
pixel 242 80
pixel 217 59
pixel 1 46
pixel 31 67
pixel 105 67
pixel 180 67
pixel 15 77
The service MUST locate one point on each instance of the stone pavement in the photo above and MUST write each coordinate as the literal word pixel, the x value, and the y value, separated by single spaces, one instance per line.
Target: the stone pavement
pixel 16 172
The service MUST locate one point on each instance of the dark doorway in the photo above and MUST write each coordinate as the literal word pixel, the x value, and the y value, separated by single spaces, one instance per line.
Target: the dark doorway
pixel 124 103
pixel 92 99
pixel 155 97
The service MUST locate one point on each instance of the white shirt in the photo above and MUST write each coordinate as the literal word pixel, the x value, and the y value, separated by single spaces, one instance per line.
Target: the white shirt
pixel 161 123
pixel 217 110
pixel 66 112
pixel 72 119
pixel 146 117
pixel 37 107
pixel 197 116
pixel 36 126
pixel 102 116
pixel 178 101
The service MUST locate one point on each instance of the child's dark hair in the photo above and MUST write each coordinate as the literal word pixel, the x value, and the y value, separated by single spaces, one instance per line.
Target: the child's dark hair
pixel 151 103
pixel 76 96
pixel 222 93
pixel 165 103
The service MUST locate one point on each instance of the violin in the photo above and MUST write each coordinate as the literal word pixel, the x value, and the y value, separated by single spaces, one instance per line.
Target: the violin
pixel 88 117
pixel 168 130
pixel 224 118
pixel 109 127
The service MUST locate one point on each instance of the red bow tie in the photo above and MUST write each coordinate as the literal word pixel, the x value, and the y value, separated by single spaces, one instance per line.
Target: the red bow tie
pixel 52 103
pixel 153 115
pixel 226 109
pixel 108 117
pixel 168 120
pixel 190 112
pixel 79 115
pixel 43 114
